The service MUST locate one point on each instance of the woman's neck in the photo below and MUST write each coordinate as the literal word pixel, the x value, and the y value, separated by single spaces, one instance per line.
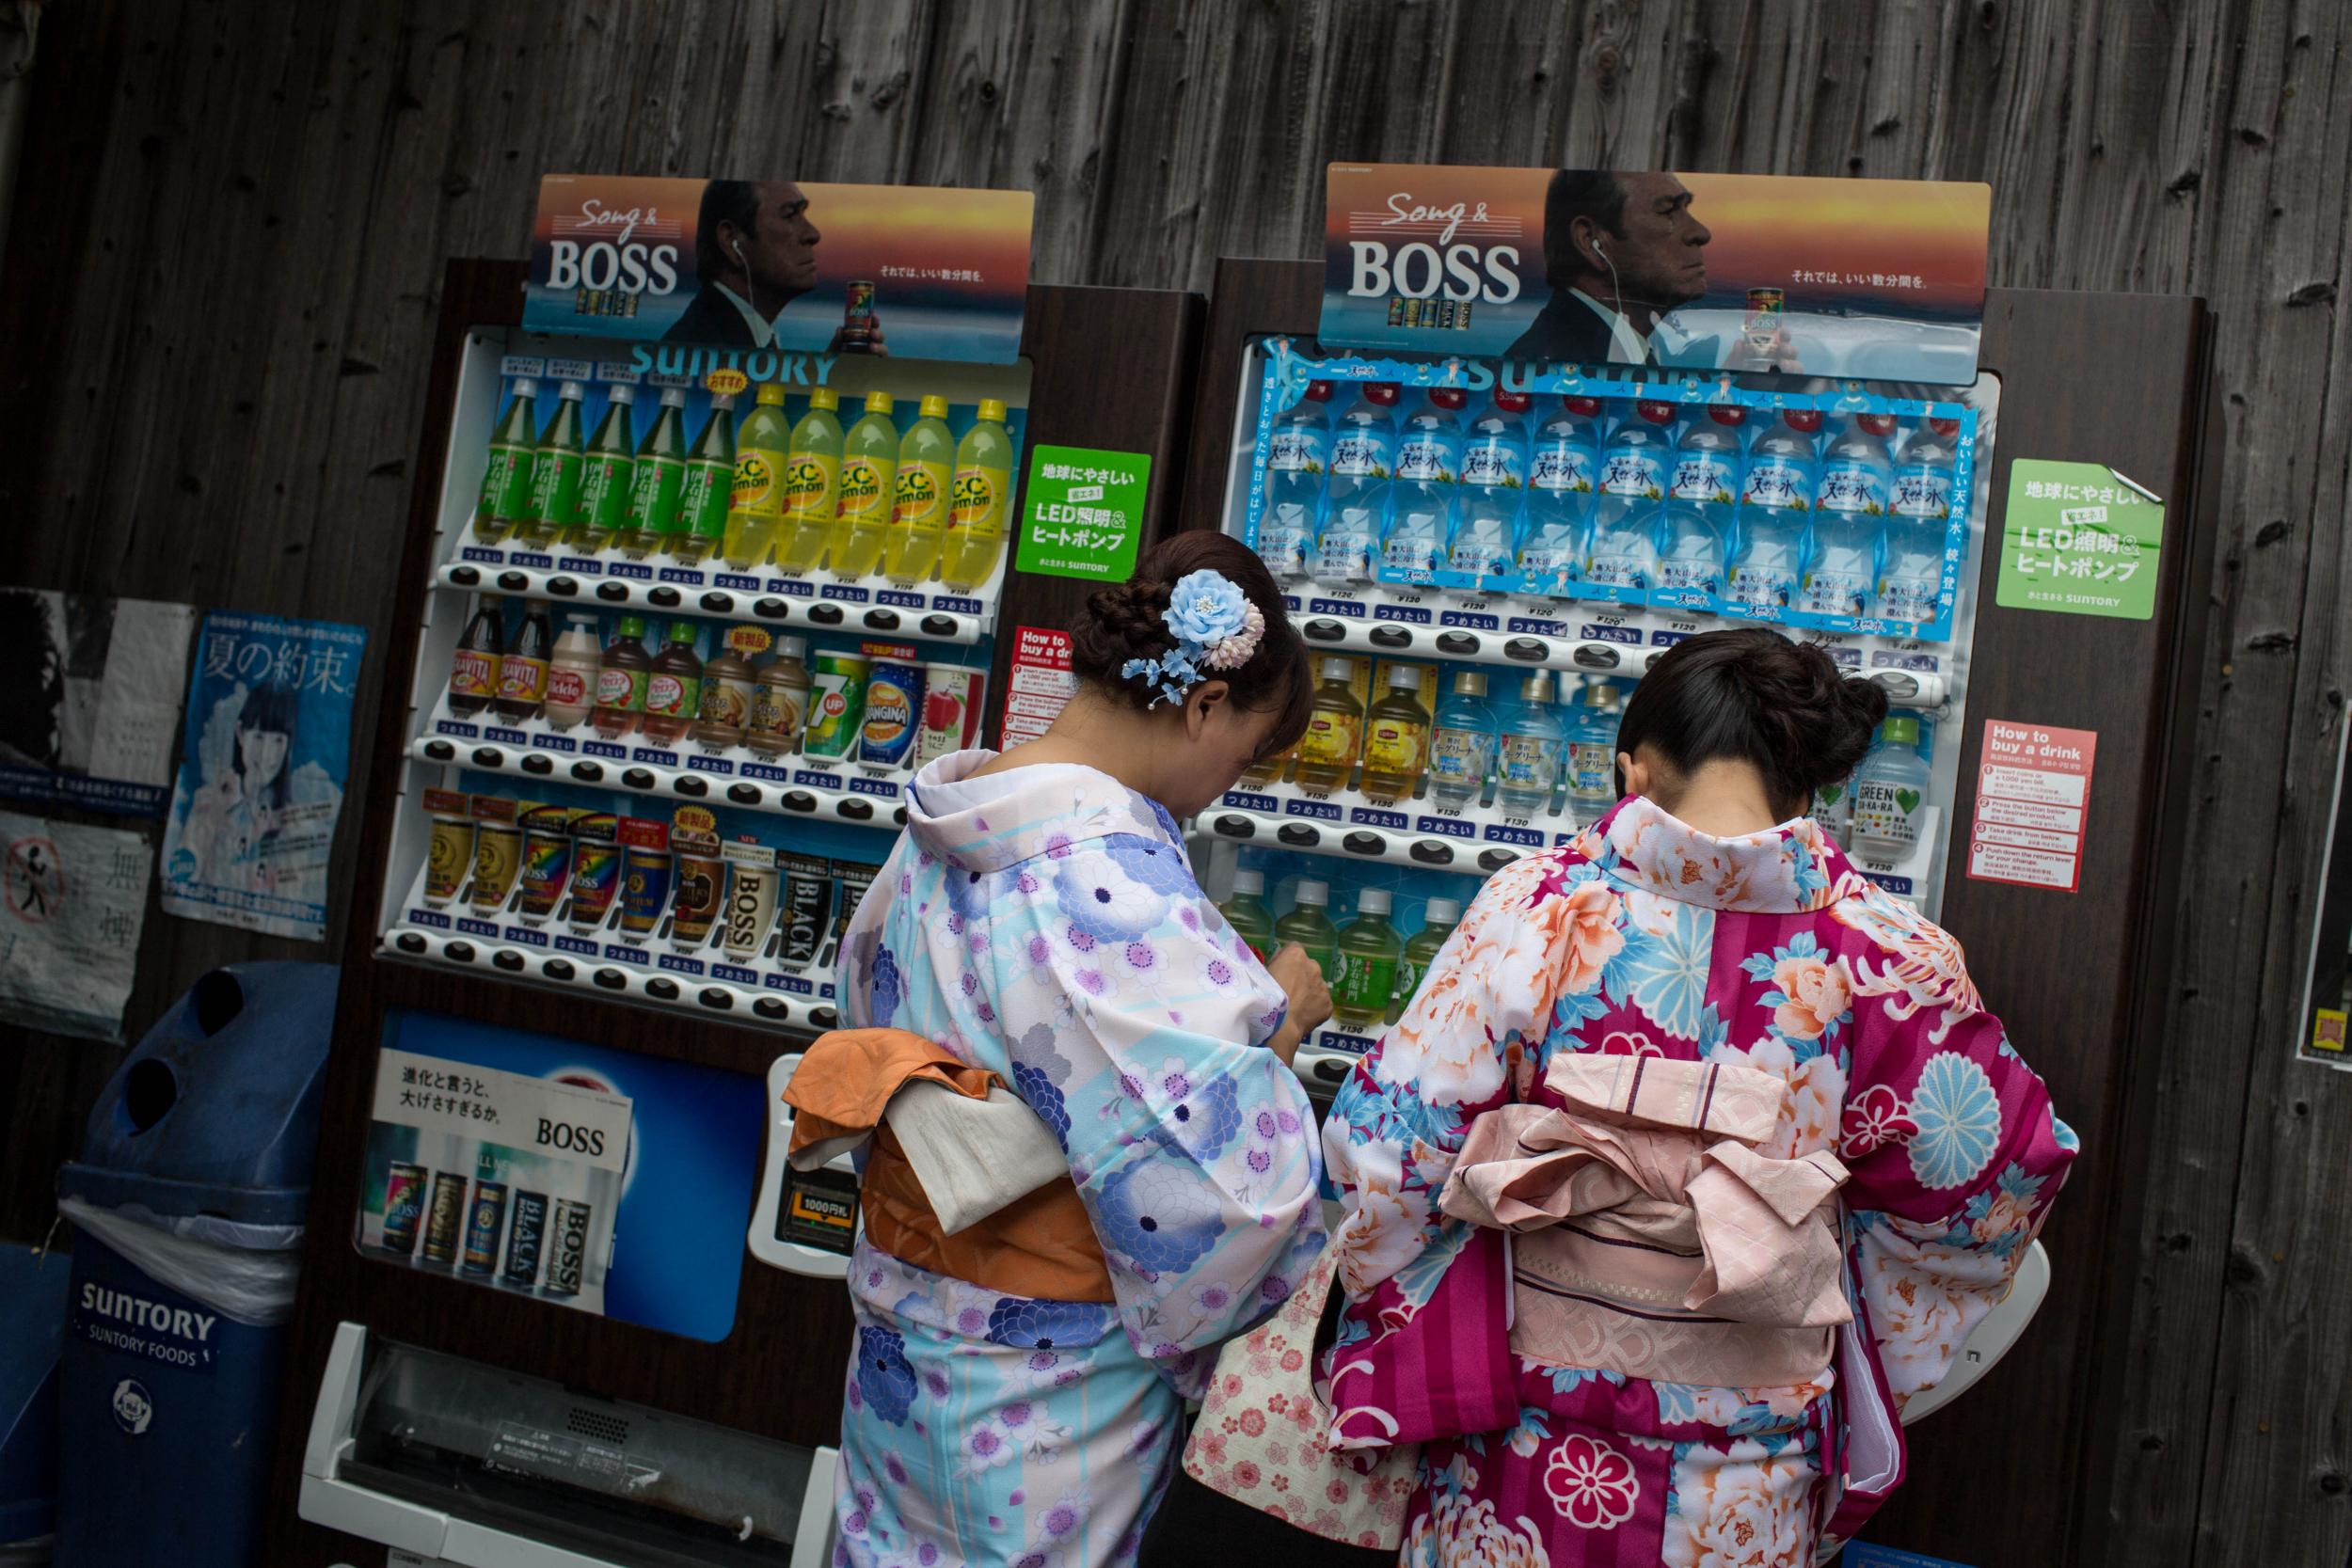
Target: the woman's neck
pixel 1725 800
pixel 1109 738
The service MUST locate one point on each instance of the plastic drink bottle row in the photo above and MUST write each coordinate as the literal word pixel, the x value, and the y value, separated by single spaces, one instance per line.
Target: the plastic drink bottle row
pixel 1768 511
pixel 1372 971
pixel 868 504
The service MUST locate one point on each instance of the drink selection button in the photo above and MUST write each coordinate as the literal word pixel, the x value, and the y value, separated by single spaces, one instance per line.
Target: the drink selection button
pixel 743 794
pixel 939 626
pixel 770 1006
pixel 638 778
pixel 1494 860
pixel 666 597
pixel 409 942
pixel 587 772
pixel 1459 643
pixel 564 588
pixel 557 969
pixel 719 604
pixel 611 979
pixel 509 960
pixel 689 784
pixel 439 750
pixel 534 763
pixel 489 756
pixel 464 577
pixel 1391 637
pixel 799 800
pixel 883 620
pixel 825 615
pixel 1363 843
pixel 615 592
pixel 664 989
pixel 721 1001
pixel 1430 851
pixel 773 609
pixel 514 583
pixel 460 951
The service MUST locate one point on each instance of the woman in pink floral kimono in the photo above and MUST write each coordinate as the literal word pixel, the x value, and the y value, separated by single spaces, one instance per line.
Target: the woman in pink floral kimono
pixel 1760 1158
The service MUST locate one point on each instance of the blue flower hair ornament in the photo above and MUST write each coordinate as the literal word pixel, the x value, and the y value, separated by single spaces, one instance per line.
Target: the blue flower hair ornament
pixel 1216 628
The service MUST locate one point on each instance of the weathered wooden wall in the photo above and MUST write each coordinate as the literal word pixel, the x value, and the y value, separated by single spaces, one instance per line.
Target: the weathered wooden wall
pixel 229 232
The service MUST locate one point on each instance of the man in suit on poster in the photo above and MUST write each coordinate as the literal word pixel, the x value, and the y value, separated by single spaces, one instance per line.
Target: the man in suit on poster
pixel 756 252
pixel 1621 253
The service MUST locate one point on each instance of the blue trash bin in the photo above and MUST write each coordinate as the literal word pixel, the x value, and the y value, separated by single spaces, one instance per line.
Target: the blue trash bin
pixel 187 1204
pixel 32 1323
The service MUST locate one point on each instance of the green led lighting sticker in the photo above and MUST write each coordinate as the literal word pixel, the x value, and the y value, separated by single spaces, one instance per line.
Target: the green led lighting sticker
pixel 2080 539
pixel 1083 512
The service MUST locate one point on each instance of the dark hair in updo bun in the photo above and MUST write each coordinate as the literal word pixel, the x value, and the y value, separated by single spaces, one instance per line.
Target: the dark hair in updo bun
pixel 1126 621
pixel 1752 696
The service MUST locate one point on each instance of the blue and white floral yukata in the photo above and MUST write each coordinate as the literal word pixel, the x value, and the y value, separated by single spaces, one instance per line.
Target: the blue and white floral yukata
pixel 1044 924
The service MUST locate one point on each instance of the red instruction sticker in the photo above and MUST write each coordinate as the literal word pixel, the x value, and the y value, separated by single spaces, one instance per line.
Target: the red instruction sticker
pixel 2033 797
pixel 1039 686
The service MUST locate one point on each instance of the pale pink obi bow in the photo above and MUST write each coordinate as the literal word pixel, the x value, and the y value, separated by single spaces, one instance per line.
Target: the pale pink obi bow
pixel 1650 1238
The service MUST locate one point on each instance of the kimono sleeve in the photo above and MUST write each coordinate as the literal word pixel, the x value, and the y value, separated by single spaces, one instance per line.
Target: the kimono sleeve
pixel 1954 1151
pixel 1191 1145
pixel 1399 1119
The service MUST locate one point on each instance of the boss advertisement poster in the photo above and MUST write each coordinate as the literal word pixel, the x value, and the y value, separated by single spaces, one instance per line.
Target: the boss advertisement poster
pixel 599 1180
pixel 1881 279
pixel 782 265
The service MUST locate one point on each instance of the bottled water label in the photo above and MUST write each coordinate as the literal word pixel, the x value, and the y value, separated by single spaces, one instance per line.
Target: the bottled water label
pixel 1548 559
pixel 1924 493
pixel 1492 462
pixel 1457 760
pixel 1283 545
pixel 1418 556
pixel 1528 764
pixel 1761 588
pixel 1343 557
pixel 1359 455
pixel 1850 487
pixel 1909 599
pixel 1293 451
pixel 1562 467
pixel 1617 571
pixel 1423 457
pixel 1886 814
pixel 1837 593
pixel 1593 770
pixel 1774 482
pixel 1698 575
pixel 1632 473
pixel 1703 477
pixel 1484 557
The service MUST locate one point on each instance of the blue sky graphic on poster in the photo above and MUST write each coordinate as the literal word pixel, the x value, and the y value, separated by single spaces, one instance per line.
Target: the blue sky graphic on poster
pixel 263 759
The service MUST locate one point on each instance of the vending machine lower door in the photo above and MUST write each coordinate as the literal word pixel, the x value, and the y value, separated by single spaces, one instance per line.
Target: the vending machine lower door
pixel 460 1463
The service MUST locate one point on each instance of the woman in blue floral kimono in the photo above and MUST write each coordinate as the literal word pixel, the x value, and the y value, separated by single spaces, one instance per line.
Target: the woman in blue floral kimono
pixel 1703 964
pixel 1038 918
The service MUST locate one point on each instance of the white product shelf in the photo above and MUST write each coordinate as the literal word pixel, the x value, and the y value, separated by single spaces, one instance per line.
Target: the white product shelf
pixel 1475 840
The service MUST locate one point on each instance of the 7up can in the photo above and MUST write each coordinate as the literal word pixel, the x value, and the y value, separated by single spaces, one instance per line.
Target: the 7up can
pixel 836 705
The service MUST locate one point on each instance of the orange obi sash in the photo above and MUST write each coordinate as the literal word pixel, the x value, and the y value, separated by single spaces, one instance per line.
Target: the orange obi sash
pixel 1042 1244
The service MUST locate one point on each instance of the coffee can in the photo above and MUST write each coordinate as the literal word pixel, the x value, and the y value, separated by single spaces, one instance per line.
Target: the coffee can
pixel 527 1233
pixel 567 1246
pixel 808 891
pixel 894 698
pixel 445 1217
pixel 403 1205
pixel 482 1230
pixel 951 711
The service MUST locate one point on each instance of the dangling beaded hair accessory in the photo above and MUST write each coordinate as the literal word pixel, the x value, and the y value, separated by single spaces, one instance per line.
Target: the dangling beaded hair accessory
pixel 1216 628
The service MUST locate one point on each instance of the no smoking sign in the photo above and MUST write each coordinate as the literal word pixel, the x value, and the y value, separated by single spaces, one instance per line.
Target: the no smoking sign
pixel 35 880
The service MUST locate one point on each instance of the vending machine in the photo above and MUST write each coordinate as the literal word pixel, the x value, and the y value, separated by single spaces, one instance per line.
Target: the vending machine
pixel 1486 553
pixel 676 623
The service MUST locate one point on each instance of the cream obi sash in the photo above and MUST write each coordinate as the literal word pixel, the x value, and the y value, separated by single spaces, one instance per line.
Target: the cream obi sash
pixel 1650 1238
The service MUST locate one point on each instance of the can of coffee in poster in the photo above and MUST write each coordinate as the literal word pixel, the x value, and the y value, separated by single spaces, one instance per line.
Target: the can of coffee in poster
pixel 484 1230
pixel 836 705
pixel 894 697
pixel 444 1218
pixel 1763 328
pixel 951 711
pixel 403 1204
pixel 857 317
pixel 567 1246
pixel 807 908
pixel 527 1233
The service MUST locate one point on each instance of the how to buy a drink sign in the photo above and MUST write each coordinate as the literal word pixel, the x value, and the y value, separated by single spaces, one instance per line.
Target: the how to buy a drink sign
pixel 781 266
pixel 1882 279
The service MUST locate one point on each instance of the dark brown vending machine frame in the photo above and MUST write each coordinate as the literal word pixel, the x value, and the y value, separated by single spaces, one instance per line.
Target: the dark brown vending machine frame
pixel 1112 369
pixel 2077 979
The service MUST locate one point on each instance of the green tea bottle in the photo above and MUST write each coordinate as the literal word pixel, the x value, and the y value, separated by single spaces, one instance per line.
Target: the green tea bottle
pixel 812 483
pixel 702 513
pixel 1335 731
pixel 659 480
pixel 1310 928
pixel 1247 913
pixel 977 499
pixel 869 479
pixel 1369 950
pixel 755 505
pixel 918 517
pixel 1437 922
pixel 556 462
pixel 506 482
pixel 604 484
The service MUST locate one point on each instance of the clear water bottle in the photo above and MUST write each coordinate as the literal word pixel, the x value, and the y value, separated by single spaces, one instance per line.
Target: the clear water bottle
pixel 1890 792
pixel 1849 508
pixel 1429 455
pixel 1781 465
pixel 1496 451
pixel 1297 453
pixel 1356 504
pixel 1592 755
pixel 1707 459
pixel 1567 457
pixel 1623 552
pixel 1690 552
pixel 1527 763
pixel 1462 743
pixel 1913 576
pixel 1486 529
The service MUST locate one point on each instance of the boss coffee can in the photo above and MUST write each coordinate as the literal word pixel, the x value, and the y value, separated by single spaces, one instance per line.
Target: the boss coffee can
pixel 484 1230
pixel 403 1204
pixel 445 1217
pixel 568 1247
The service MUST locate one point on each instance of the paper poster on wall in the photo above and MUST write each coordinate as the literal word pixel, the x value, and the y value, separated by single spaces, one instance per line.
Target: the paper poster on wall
pixel 2080 539
pixel 2033 798
pixel 76 898
pixel 1039 686
pixel 601 1181
pixel 264 758
pixel 87 715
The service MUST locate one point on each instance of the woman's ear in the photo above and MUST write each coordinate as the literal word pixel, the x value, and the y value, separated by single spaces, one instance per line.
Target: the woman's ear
pixel 1635 774
pixel 1200 702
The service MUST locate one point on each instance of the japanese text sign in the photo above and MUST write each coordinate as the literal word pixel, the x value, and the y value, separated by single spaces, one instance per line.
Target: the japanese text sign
pixel 778 265
pixel 2080 539
pixel 1878 278
pixel 2033 804
pixel 1083 514
pixel 511 1109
